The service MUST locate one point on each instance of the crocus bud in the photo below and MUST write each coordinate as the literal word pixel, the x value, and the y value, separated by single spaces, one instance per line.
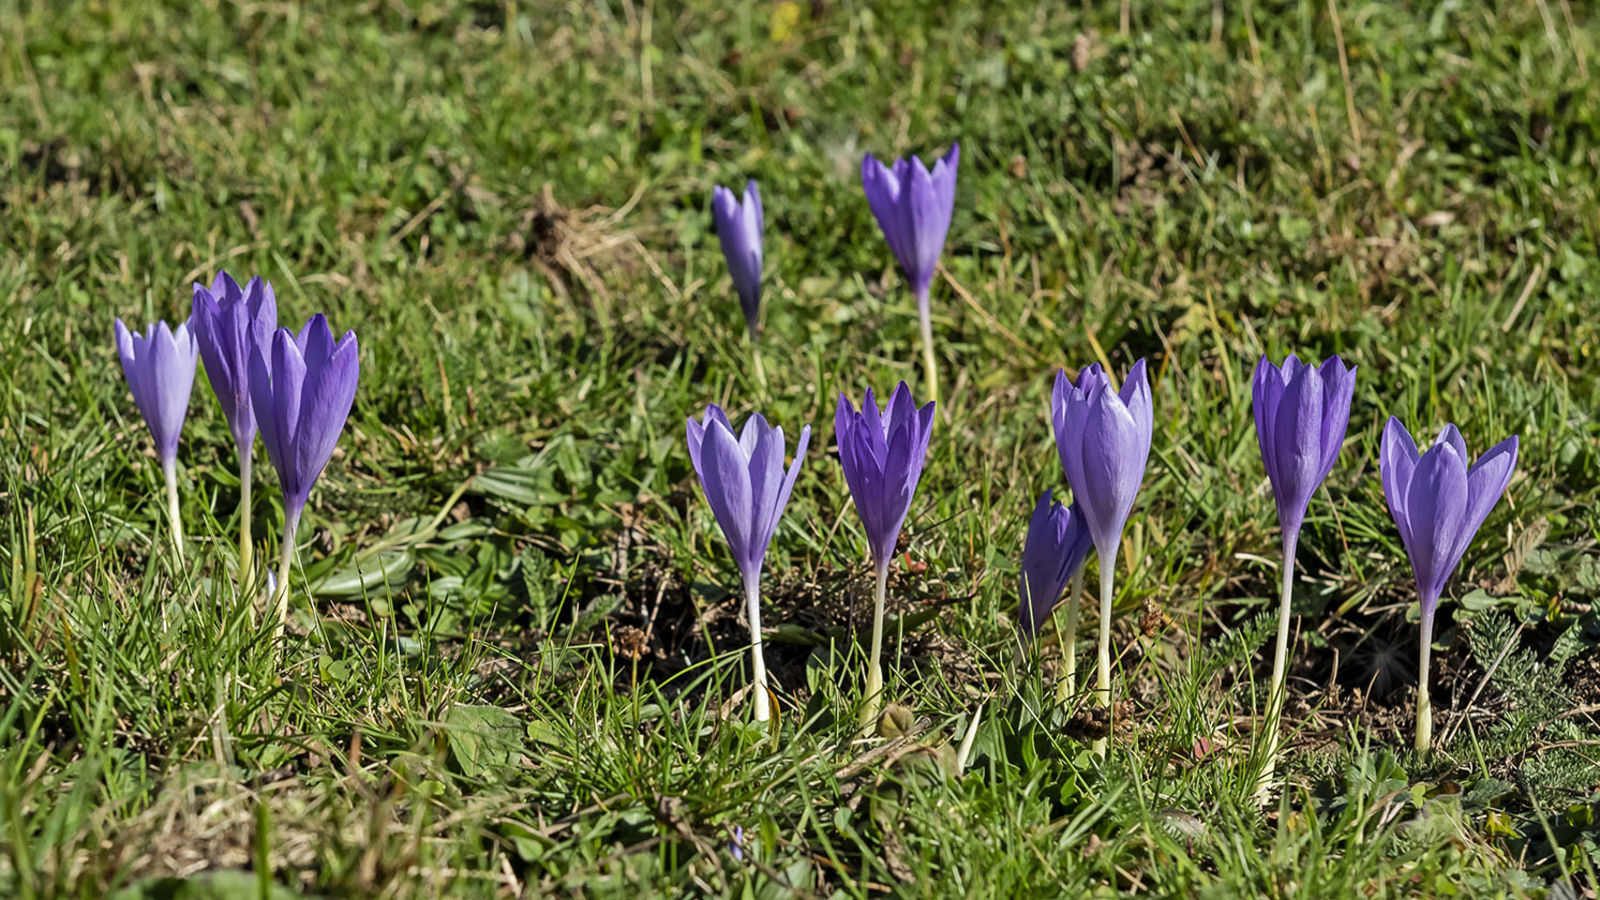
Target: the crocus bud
pixel 739 230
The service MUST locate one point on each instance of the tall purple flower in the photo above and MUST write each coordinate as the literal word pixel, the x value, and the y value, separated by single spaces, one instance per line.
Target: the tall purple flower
pixel 1301 412
pixel 159 366
pixel 746 484
pixel 882 456
pixel 229 324
pixel 739 230
pixel 1054 551
pixel 1438 502
pixel 913 208
pixel 301 389
pixel 1103 438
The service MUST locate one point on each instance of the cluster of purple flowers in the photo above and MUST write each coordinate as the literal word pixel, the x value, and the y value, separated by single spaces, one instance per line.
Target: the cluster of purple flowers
pixel 295 387
pixel 1438 501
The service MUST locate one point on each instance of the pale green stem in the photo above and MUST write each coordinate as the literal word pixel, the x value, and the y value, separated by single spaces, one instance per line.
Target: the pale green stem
pixel 169 471
pixel 874 690
pixel 755 357
pixel 1102 681
pixel 1067 684
pixel 280 598
pixel 1424 705
pixel 752 600
pixel 1277 689
pixel 246 549
pixel 930 365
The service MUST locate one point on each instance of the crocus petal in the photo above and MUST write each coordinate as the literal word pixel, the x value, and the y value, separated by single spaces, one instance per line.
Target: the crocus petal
pixel 726 480
pixel 1436 504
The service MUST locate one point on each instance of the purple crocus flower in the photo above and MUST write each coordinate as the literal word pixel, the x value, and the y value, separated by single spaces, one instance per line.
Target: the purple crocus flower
pixel 1438 502
pixel 1103 438
pixel 1055 549
pixel 913 208
pixel 229 322
pixel 746 484
pixel 739 230
pixel 1301 412
pixel 301 389
pixel 159 366
pixel 882 456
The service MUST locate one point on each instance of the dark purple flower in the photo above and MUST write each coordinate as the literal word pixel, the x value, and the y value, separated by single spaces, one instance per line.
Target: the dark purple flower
pixel 882 456
pixel 1438 501
pixel 913 207
pixel 228 324
pixel 159 367
pixel 1057 545
pixel 1301 413
pixel 301 401
pixel 1103 437
pixel 739 230
pixel 744 481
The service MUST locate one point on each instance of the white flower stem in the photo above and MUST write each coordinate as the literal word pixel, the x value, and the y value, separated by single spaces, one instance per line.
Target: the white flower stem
pixel 1067 684
pixel 1424 704
pixel 169 470
pixel 874 689
pixel 1102 683
pixel 279 609
pixel 752 600
pixel 246 548
pixel 930 365
pixel 1277 690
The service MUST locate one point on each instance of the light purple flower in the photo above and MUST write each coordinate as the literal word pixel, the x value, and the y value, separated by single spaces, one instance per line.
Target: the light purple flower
pixel 1438 502
pixel 744 481
pixel 739 230
pixel 159 367
pixel 1103 438
pixel 1056 546
pixel 301 399
pixel 229 323
pixel 913 207
pixel 882 456
pixel 1301 413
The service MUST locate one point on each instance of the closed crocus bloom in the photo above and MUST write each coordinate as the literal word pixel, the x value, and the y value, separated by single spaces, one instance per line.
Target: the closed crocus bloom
pixel 159 366
pixel 1301 412
pixel 301 389
pixel 739 230
pixel 913 207
pixel 1054 551
pixel 1438 501
pixel 747 487
pixel 229 324
pixel 1103 438
pixel 882 456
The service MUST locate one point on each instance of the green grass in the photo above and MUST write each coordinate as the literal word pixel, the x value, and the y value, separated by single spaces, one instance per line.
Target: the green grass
pixel 516 629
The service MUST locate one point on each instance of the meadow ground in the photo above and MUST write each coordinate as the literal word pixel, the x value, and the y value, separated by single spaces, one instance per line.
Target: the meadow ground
pixel 516 641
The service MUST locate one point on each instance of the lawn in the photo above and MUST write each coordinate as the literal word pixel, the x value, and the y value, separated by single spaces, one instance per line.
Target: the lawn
pixel 516 650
